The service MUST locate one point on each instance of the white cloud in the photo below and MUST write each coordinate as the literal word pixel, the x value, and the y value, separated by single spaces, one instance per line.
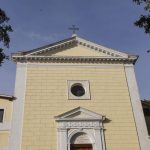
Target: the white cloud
pixel 37 36
pixel 41 37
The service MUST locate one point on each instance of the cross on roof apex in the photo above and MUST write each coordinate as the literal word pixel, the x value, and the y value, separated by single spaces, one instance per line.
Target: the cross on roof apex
pixel 74 29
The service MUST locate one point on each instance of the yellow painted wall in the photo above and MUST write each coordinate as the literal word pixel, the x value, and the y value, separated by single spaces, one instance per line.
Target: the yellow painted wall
pixel 4 135
pixel 4 139
pixel 46 97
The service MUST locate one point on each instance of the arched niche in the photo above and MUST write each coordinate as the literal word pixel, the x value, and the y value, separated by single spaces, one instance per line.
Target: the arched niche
pixel 80 140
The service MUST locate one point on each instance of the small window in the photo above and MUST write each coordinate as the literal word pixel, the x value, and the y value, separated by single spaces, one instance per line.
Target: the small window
pixel 1 115
pixel 78 89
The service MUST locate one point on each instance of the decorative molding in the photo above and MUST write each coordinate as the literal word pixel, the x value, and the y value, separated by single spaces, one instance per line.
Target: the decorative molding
pixel 74 59
pixel 80 124
pixel 18 108
pixel 100 48
pixel 137 108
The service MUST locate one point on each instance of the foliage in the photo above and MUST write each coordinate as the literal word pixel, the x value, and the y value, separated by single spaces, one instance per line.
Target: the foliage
pixel 144 20
pixel 4 34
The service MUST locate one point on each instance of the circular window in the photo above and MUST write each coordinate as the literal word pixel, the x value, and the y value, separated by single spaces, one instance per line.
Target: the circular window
pixel 77 90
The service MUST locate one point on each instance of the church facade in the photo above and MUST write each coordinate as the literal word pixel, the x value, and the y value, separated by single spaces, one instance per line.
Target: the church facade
pixel 76 95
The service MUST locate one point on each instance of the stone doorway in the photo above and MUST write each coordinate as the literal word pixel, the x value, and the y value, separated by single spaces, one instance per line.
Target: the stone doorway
pixel 80 129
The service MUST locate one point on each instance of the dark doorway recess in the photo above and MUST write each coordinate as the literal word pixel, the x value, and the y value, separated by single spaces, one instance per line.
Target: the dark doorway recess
pixel 81 147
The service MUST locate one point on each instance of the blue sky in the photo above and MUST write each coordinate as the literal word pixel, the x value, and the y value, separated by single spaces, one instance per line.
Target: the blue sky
pixel 106 22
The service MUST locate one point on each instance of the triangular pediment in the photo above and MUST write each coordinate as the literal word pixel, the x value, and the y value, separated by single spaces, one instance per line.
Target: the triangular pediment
pixel 74 49
pixel 74 46
pixel 79 113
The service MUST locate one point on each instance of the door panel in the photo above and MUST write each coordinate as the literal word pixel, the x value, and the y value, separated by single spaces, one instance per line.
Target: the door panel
pixel 81 147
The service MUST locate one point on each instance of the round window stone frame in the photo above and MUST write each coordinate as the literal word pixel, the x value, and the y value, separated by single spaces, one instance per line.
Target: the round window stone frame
pixel 86 86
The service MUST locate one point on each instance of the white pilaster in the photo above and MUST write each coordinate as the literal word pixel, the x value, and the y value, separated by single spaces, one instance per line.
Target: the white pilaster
pixel 137 108
pixel 62 139
pixel 98 139
pixel 18 108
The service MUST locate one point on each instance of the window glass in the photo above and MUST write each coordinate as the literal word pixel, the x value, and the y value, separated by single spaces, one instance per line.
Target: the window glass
pixel 77 90
pixel 1 115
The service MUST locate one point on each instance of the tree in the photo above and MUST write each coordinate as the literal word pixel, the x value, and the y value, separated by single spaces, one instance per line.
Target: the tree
pixel 144 20
pixel 5 28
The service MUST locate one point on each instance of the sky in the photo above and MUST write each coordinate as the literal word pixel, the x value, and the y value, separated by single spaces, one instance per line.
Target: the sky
pixel 110 23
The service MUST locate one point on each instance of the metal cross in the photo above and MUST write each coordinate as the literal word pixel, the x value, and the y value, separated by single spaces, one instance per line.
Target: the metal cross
pixel 74 29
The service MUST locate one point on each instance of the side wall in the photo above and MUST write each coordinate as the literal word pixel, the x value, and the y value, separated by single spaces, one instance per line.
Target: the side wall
pixel 137 108
pixel 46 97
pixel 5 126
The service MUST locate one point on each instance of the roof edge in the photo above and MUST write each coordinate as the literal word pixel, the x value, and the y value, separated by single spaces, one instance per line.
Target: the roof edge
pixel 23 53
pixel 7 97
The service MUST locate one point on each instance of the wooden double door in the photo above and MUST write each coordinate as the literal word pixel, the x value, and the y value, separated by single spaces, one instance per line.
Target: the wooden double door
pixel 81 147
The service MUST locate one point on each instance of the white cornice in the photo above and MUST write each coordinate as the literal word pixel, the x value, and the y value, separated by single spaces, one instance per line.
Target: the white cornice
pixel 65 44
pixel 7 97
pixel 73 59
